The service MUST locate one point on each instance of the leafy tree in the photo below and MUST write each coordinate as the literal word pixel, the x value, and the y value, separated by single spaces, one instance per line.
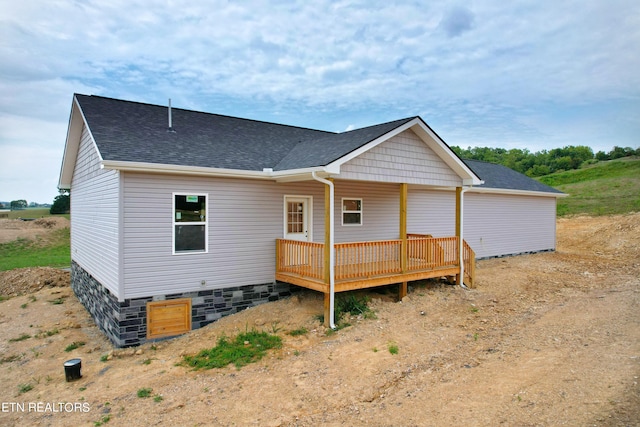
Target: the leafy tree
pixel 61 204
pixel 18 204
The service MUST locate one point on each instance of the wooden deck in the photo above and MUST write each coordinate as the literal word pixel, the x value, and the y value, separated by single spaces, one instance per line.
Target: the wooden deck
pixel 361 265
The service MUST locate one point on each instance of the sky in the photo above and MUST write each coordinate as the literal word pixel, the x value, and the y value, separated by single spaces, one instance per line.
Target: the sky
pixel 525 74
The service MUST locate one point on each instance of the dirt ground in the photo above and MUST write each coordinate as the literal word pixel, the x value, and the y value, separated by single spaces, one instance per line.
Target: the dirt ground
pixel 546 339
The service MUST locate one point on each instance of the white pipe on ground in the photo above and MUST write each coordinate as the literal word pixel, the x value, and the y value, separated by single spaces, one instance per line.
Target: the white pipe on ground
pixel 331 243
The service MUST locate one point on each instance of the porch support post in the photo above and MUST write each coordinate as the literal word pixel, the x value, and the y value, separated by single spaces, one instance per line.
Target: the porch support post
pixel 327 235
pixel 459 278
pixel 404 193
pixel 458 210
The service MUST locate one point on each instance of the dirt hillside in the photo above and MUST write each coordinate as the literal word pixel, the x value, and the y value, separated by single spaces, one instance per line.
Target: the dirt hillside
pixel 546 339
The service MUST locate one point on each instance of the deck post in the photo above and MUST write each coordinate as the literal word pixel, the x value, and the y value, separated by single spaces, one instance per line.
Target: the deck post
pixel 404 193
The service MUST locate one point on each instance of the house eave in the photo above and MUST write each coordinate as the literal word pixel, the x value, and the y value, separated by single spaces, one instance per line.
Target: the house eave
pixel 77 121
pixel 489 190
pixel 266 174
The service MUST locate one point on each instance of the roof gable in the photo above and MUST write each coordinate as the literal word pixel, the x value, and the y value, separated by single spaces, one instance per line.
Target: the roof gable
pixel 136 136
pixel 328 149
pixel 401 158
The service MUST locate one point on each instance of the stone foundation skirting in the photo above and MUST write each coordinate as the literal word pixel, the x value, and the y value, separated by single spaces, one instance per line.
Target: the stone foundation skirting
pixel 125 322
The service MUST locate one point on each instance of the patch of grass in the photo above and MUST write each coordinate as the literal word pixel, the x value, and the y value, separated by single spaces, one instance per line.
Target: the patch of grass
pixel 57 301
pixel 393 348
pixel 245 348
pixel 144 392
pixel 9 359
pixel 105 419
pixel 21 253
pixel 351 304
pixel 20 338
pixel 24 305
pixel 158 398
pixel 4 298
pixel 354 305
pixel 604 188
pixel 146 362
pixel 104 357
pixel 23 388
pixel 74 345
pixel 48 333
pixel 297 332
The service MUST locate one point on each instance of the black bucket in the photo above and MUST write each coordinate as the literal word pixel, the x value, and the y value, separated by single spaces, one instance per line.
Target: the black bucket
pixel 72 369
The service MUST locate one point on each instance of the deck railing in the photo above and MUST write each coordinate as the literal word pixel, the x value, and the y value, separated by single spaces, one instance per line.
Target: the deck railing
pixel 428 253
pixel 302 258
pixel 366 259
pixel 361 260
pixel 469 257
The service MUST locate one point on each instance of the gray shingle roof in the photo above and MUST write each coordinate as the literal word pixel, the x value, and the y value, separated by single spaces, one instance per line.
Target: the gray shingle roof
pixel 136 132
pixel 327 149
pixel 498 176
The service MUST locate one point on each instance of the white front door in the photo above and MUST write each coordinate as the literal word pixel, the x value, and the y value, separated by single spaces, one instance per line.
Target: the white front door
pixel 297 218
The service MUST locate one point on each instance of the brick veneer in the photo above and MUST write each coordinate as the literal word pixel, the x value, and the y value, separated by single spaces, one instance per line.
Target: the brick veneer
pixel 125 322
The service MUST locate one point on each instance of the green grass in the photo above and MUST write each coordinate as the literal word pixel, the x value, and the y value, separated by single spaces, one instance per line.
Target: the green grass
pixel 297 332
pixel 603 188
pixel 393 348
pixel 21 253
pixel 20 338
pixel 23 388
pixel 144 392
pixel 74 345
pixel 245 348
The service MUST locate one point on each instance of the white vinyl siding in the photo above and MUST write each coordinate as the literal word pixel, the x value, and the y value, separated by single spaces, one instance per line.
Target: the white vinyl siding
pixel 402 158
pixel 95 205
pixel 245 218
pixel 496 225
pixel 382 209
pixel 431 212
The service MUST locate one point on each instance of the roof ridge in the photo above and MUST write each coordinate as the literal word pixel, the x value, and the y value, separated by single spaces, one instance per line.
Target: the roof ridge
pixel 207 113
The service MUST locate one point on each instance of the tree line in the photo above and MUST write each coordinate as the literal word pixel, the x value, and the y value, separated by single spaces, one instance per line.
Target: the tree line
pixel 546 161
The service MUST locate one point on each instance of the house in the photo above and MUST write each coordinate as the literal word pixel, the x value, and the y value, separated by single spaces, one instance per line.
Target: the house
pixel 180 217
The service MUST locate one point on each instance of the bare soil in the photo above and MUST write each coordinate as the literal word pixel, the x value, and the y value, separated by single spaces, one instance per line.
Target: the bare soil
pixel 544 340
pixel 12 229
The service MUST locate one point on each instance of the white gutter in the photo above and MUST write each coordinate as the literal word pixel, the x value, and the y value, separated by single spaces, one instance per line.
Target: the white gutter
pixel 461 242
pixel 266 173
pixel 332 284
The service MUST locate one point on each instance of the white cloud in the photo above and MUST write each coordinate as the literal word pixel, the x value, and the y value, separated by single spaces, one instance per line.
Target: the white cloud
pixel 491 72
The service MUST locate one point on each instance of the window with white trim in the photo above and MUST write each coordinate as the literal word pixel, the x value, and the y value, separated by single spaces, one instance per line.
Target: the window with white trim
pixel 351 211
pixel 189 223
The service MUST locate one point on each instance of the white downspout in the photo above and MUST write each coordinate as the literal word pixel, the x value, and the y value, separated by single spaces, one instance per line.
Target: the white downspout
pixel 331 243
pixel 461 243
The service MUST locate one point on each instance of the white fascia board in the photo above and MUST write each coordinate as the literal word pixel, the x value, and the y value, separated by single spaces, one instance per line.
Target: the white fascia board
pixel 446 154
pixel 182 170
pixel 372 144
pixel 268 174
pixel 304 174
pixel 77 121
pixel 515 192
